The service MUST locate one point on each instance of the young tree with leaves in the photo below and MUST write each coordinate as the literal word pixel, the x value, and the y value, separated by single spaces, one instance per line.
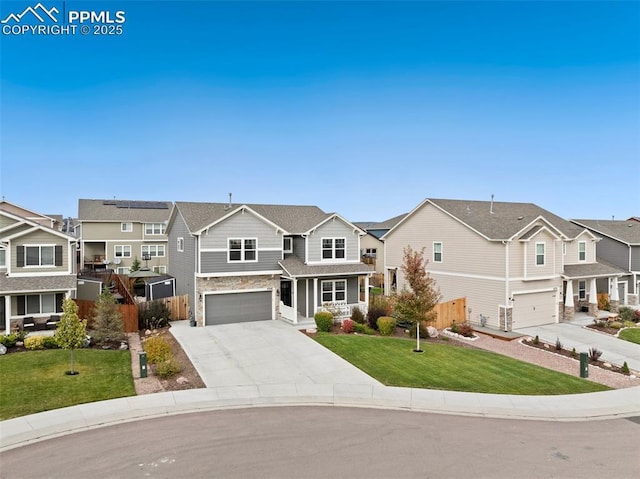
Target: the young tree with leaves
pixel 416 304
pixel 71 331
pixel 107 327
pixel 135 265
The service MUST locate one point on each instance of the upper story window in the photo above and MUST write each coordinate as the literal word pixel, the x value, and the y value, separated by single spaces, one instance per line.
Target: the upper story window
pixel 243 249
pixel 3 258
pixel 39 255
pixel 122 251
pixel 539 254
pixel 287 244
pixel 154 228
pixel 180 244
pixel 437 252
pixel 582 251
pixel 333 248
pixel 153 250
pixel 126 227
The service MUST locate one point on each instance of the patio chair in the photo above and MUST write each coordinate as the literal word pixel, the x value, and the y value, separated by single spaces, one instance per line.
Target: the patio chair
pixel 28 322
pixel 53 321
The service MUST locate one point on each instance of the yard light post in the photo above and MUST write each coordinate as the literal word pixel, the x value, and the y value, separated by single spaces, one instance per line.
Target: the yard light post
pixel 146 257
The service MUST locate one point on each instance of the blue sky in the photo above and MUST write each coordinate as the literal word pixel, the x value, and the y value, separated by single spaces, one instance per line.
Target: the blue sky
pixel 360 108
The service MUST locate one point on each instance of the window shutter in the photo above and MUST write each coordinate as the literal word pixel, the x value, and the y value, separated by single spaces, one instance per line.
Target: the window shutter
pixel 21 309
pixel 58 255
pixel 20 258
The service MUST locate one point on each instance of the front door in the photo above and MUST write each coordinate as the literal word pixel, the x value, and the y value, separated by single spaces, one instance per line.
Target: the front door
pixel 285 292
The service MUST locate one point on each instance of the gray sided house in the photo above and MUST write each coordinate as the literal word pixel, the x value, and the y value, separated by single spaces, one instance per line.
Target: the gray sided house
pixel 37 268
pixel 618 245
pixel 517 264
pixel 261 262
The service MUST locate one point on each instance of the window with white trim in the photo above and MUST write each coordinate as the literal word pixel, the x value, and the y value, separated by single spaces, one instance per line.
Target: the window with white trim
pixel 370 252
pixel 180 244
pixel 126 227
pixel 437 252
pixel 123 270
pixel 153 250
pixel 582 290
pixel 122 251
pixel 334 248
pixel 243 250
pixel 39 256
pixel 334 291
pixel 160 269
pixel 154 228
pixel 41 303
pixel 3 258
pixel 539 254
pixel 287 244
pixel 582 251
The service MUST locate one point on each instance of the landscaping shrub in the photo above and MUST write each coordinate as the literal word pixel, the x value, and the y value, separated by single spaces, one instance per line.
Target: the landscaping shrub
pixel 625 314
pixel 594 354
pixel 107 327
pixel 423 330
pixel 603 303
pixel 574 353
pixel 10 340
pixel 558 344
pixel 34 342
pixel 347 325
pixel 386 325
pixel 358 328
pixel 616 325
pixel 629 324
pixel 536 340
pixel 324 321
pixel 158 350
pixel 357 315
pixel 167 368
pixel 625 368
pixel 375 311
pixel 50 343
pixel 454 327
pixel 601 323
pixel 368 330
pixel 153 315
pixel 636 315
pixel 466 330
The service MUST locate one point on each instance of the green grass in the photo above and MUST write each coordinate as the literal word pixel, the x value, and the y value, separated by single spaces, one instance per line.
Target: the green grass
pixel 35 381
pixel 393 362
pixel 630 334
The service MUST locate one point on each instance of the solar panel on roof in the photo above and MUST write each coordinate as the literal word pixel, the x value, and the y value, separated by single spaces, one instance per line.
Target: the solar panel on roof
pixel 109 202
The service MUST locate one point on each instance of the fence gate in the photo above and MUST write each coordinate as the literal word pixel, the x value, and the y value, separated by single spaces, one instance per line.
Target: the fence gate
pixel 450 312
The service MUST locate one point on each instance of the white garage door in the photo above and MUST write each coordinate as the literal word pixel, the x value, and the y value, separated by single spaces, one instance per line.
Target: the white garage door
pixel 237 307
pixel 534 309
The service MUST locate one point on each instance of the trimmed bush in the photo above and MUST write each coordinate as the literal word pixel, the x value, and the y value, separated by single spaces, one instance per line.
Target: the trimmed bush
pixel 347 325
pixel 466 330
pixel 616 325
pixel 169 367
pixel 34 342
pixel 375 311
pixel 368 330
pixel 50 342
pixel 324 321
pixel 386 325
pixel 357 315
pixel 358 328
pixel 625 368
pixel 158 350
pixel 536 340
pixel 10 340
pixel 625 314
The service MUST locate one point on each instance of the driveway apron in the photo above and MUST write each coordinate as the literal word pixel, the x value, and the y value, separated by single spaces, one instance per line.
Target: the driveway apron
pixel 574 335
pixel 262 352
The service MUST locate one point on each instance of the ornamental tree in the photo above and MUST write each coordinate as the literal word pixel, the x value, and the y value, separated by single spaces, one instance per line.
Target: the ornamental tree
pixel 71 331
pixel 107 325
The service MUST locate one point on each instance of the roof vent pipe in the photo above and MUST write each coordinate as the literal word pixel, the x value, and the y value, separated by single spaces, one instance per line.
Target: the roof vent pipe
pixel 491 207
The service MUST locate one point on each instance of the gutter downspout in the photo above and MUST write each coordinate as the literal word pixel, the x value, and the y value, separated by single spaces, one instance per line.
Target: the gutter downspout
pixel 506 282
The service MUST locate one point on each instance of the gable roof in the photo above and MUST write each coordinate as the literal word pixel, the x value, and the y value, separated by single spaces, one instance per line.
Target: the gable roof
pixel 26 226
pixel 291 218
pixel 124 210
pixel 497 221
pixel 627 232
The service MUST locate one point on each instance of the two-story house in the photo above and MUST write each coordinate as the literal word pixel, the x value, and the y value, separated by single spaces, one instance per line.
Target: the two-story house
pixel 371 246
pixel 619 245
pixel 114 233
pixel 517 264
pixel 260 262
pixel 37 267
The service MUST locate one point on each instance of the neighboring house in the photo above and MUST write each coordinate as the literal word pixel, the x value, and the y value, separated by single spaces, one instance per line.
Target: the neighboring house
pixel 371 246
pixel 114 233
pixel 517 264
pixel 619 245
pixel 258 262
pixel 37 267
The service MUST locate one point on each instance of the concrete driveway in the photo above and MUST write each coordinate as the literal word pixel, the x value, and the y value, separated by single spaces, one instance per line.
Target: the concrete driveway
pixel 262 352
pixel 575 335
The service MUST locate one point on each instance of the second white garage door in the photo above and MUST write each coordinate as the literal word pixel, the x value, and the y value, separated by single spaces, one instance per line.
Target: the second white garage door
pixel 237 307
pixel 534 309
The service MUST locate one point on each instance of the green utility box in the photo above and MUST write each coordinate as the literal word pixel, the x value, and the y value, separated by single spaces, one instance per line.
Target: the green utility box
pixel 143 364
pixel 584 365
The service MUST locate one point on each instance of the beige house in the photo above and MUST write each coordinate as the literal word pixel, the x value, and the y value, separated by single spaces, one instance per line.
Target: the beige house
pixel 371 246
pixel 517 264
pixel 114 233
pixel 37 268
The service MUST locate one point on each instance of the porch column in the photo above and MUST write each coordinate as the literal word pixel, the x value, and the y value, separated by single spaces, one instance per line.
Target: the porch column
pixel 593 297
pixel 7 314
pixel 315 296
pixel 306 298
pixel 294 303
pixel 366 293
pixel 614 300
pixel 569 307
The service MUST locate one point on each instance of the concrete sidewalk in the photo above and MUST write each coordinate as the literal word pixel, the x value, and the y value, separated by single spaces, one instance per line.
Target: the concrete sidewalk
pixel 575 335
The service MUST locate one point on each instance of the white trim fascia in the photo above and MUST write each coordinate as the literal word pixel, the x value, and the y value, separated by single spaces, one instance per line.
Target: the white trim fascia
pixel 235 291
pixel 47 229
pixel 36 291
pixel 542 228
pixel 239 274
pixel 20 233
pixel 531 291
pixel 334 216
pixel 12 226
pixel 38 215
pixel 39 274
pixel 330 275
pixel 467 275
pixel 559 234
pixel 537 278
pixel 332 262
pixel 239 209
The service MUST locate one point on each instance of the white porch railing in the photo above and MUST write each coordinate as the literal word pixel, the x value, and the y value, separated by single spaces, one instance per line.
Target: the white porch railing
pixel 287 312
pixel 342 310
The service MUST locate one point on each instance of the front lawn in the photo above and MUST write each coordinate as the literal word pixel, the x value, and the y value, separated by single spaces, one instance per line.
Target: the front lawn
pixel 393 362
pixel 35 381
pixel 630 334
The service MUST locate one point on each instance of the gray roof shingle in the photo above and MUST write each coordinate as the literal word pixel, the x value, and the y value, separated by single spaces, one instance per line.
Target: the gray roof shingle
pixel 124 210
pixel 627 232
pixel 590 270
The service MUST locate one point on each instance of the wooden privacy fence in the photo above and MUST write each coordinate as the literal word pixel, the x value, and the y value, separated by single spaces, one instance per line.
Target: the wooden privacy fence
pixel 178 306
pixel 129 313
pixel 450 312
